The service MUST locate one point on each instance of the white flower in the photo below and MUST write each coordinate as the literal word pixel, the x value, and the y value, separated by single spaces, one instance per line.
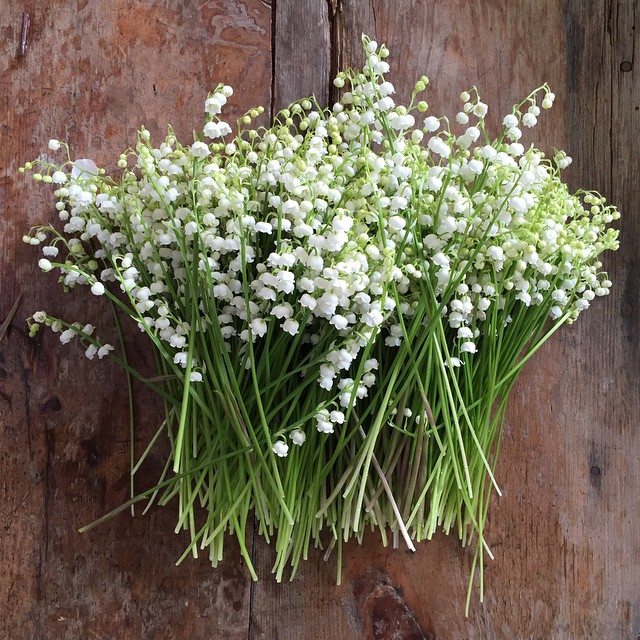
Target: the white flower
pixel 371 365
pixel 177 341
pixel 104 350
pixel 480 110
pixel 54 144
pixel 307 301
pixel 214 104
pixel 439 146
pixel 473 133
pixel 431 124
pixel 45 264
pixel 298 437
pixel 582 305
pixel 339 322
pixel 264 227
pixel 397 223
pixel 191 228
pixel 216 130
pixel 386 103
pixel 259 327
pixel 440 259
pixel 468 347
pixel 513 134
pixel 97 288
pixel 434 183
pixel 399 123
pixel 515 149
pixel 91 351
pixel 518 204
pixel 200 149
pixel 67 335
pixel 83 168
pixel 290 326
pixel 280 448
pixel 324 426
pixel 562 160
pixel 323 422
pixel 284 310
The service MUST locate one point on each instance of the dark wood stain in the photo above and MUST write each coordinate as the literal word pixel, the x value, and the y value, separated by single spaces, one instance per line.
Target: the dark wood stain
pixel 383 611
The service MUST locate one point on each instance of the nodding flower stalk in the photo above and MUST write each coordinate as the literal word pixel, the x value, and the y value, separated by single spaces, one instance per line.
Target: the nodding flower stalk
pixel 338 305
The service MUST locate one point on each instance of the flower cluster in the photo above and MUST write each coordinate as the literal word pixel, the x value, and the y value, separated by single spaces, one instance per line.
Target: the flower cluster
pixel 335 273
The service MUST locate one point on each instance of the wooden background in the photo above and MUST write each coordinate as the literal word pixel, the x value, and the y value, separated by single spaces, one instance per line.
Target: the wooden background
pixel 565 534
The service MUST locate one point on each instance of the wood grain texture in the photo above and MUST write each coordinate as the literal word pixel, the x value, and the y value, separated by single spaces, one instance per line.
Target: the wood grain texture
pixel 90 72
pixel 566 533
pixel 300 26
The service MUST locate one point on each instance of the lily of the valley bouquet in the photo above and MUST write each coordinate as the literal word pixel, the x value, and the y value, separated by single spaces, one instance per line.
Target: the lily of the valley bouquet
pixel 338 306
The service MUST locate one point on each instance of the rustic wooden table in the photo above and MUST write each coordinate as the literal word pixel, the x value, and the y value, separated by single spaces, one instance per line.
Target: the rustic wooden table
pixel 566 532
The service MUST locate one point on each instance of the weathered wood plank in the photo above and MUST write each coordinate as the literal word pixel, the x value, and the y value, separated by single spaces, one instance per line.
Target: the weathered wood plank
pixel 565 533
pixel 604 121
pixel 301 51
pixel 90 72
